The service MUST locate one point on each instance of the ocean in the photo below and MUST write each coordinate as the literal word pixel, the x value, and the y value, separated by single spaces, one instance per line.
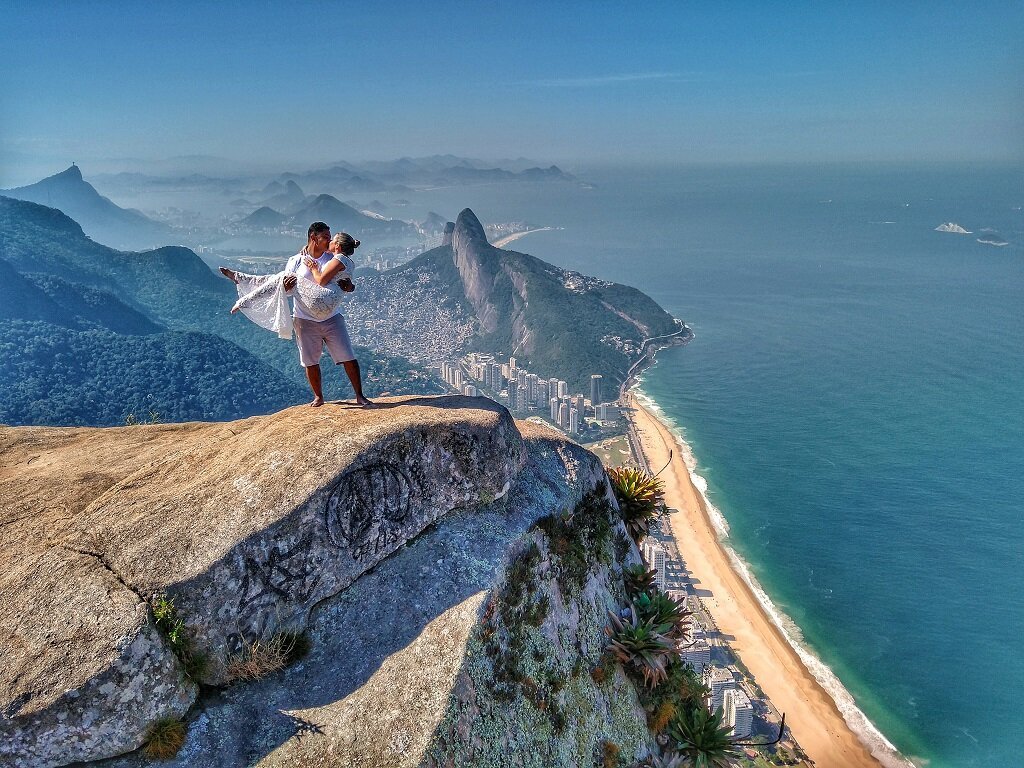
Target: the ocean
pixel 854 400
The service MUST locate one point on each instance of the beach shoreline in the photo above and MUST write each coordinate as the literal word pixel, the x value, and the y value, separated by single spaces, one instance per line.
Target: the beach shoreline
pixel 813 715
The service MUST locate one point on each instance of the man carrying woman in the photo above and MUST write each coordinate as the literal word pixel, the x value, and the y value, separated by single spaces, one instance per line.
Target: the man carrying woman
pixel 315 278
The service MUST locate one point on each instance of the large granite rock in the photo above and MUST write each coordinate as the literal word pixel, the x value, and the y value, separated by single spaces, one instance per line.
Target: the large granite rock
pixel 385 534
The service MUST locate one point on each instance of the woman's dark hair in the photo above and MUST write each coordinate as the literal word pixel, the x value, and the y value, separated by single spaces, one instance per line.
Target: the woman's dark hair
pixel 346 241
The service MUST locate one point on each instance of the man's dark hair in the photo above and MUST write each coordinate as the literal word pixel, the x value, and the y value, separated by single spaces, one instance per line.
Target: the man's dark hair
pixel 316 228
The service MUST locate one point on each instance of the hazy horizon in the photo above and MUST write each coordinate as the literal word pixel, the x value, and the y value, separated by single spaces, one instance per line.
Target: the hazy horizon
pixel 264 87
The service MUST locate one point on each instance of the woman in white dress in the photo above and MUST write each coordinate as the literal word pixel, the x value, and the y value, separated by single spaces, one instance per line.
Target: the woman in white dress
pixel 264 298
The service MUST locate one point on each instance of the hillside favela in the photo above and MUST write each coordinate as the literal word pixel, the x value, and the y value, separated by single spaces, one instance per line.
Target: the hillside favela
pixel 584 386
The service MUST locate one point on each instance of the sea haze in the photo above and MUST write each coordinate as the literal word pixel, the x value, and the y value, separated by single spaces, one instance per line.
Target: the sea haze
pixel 854 400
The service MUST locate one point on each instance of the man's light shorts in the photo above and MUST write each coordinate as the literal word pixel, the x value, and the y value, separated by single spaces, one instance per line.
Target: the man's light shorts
pixel 311 336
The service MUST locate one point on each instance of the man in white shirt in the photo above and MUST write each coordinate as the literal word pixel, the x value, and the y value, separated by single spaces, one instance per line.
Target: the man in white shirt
pixel 315 262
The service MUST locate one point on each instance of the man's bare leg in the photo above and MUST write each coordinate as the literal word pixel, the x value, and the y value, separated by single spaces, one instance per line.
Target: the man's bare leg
pixel 313 376
pixel 229 274
pixel 356 378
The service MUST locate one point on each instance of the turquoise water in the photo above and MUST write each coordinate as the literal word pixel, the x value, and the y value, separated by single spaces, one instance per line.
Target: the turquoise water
pixel 855 400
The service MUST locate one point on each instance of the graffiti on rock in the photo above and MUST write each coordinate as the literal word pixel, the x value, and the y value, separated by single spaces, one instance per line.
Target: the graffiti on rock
pixel 366 512
pixel 288 574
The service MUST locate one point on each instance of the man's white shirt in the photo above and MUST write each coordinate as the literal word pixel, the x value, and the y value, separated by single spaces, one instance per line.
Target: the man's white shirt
pixel 298 268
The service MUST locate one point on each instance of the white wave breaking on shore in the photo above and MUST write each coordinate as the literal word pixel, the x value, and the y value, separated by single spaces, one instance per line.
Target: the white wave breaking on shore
pixel 879 746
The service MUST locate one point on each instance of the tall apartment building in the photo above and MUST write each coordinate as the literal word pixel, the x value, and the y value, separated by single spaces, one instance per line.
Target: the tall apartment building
pixel 737 713
pixel 657 558
pixel 696 651
pixel 563 388
pixel 574 421
pixel 563 415
pixel 521 400
pixel 718 680
pixel 542 391
pixel 470 391
pixel 595 389
pixel 553 404
pixel 513 394
pixel 579 403
pixel 531 388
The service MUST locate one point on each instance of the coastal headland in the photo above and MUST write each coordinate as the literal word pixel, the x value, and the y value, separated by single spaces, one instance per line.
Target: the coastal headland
pixel 812 714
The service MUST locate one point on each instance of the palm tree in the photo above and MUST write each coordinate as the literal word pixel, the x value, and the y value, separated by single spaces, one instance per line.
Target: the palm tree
pixel 699 736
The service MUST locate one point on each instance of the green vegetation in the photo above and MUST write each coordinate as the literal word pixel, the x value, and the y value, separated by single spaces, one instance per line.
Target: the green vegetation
pixel 640 498
pixel 699 736
pixel 638 580
pixel 640 647
pixel 90 335
pixel 178 636
pixel 578 539
pixel 164 738
pixel 131 420
pixel 668 616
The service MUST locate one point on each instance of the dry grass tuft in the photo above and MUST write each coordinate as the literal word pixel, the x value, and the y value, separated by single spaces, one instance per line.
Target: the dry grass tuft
pixel 264 657
pixel 165 737
pixel 662 716
pixel 610 755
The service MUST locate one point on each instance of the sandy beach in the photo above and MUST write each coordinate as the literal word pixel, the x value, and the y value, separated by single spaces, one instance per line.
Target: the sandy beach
pixel 811 713
pixel 516 235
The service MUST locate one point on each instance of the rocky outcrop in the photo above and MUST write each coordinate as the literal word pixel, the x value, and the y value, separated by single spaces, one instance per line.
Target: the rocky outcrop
pixel 557 322
pixel 478 268
pixel 389 536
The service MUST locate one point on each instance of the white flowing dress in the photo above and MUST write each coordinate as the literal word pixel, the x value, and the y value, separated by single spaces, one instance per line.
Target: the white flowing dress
pixel 263 299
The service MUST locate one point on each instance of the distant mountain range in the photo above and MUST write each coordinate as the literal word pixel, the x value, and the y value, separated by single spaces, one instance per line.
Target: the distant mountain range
pixel 91 335
pixel 560 323
pixel 351 178
pixel 341 217
pixel 101 219
pixel 400 175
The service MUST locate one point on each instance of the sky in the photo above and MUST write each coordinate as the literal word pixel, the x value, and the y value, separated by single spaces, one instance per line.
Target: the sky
pixel 268 85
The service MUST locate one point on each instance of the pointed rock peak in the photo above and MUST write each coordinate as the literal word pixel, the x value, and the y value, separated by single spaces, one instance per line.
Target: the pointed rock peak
pixel 468 227
pixel 73 173
pixel 291 186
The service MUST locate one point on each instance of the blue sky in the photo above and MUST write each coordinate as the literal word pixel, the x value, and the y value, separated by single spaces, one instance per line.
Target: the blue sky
pixel 265 84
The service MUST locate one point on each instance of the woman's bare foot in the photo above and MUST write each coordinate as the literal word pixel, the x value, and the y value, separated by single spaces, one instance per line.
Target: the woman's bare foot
pixel 229 274
pixel 365 403
pixel 317 402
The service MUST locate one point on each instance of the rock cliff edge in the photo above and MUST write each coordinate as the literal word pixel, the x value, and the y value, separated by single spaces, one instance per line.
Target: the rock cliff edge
pixel 450 568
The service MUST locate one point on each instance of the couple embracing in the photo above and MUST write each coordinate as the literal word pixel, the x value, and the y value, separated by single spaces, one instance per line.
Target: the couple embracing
pixel 316 279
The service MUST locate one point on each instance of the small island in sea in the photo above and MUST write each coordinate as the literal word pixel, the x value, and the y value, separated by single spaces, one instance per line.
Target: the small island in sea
pixel 950 226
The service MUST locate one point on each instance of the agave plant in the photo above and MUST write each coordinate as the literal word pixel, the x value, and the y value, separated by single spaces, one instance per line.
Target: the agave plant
pixel 669 617
pixel 636 644
pixel 638 579
pixel 668 760
pixel 683 684
pixel 639 495
pixel 700 738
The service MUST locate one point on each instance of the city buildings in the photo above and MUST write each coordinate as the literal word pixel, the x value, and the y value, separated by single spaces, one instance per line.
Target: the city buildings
pixel 718 680
pixel 595 389
pixel 737 713
pixel 696 652
pixel 525 392
pixel 656 557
